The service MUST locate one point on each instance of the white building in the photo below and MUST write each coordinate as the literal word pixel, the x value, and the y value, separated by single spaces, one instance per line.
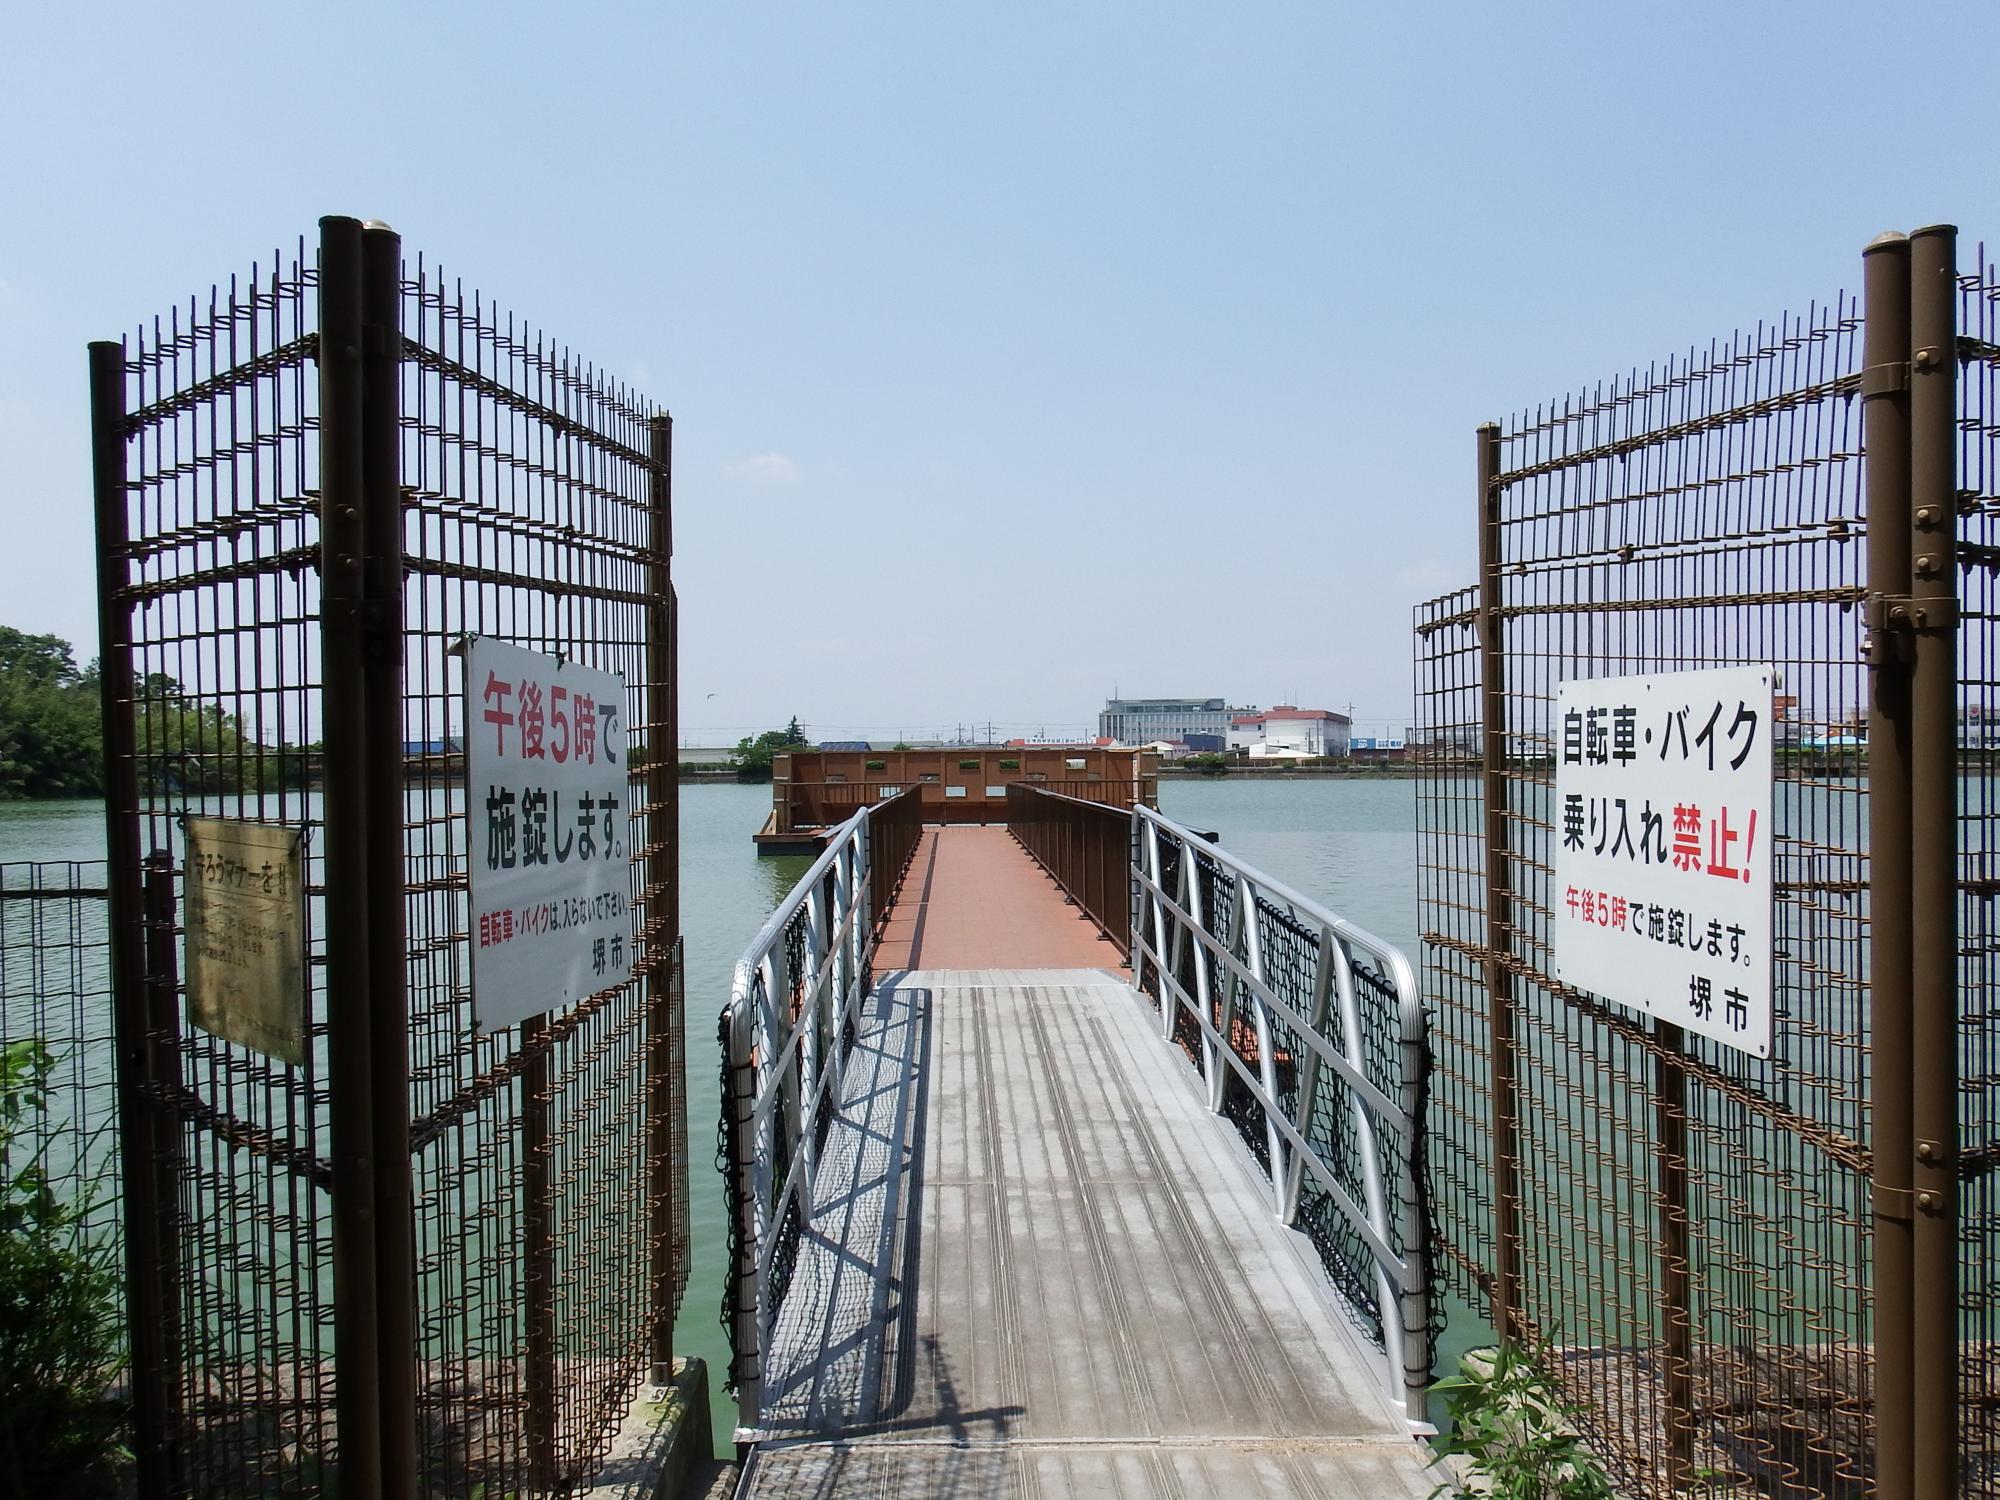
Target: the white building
pixel 1285 731
pixel 1139 721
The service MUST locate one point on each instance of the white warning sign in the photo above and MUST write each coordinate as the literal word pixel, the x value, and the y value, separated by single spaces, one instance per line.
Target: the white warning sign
pixel 548 804
pixel 1663 847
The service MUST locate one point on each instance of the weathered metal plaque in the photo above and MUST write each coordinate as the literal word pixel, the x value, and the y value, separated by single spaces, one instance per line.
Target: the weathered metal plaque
pixel 245 900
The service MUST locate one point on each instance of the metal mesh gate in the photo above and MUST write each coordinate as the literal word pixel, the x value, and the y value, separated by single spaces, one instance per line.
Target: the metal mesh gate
pixel 313 485
pixel 1690 1230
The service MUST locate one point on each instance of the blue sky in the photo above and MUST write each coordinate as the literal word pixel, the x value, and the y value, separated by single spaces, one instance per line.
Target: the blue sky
pixel 1019 352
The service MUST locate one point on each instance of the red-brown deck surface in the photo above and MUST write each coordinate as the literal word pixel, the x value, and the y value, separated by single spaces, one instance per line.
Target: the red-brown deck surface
pixel 974 900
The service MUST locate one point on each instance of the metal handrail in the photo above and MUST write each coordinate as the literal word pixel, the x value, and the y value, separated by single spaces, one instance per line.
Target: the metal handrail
pixel 1229 966
pixel 793 999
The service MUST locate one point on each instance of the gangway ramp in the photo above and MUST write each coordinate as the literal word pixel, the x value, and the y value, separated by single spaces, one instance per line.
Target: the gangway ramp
pixel 1039 1266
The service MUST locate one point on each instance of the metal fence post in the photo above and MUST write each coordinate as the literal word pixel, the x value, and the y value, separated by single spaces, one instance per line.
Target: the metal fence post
pixel 1677 1326
pixel 538 1259
pixel 163 1069
pixel 662 915
pixel 146 1307
pixel 1886 434
pixel 388 973
pixel 350 1059
pixel 1503 1078
pixel 1933 500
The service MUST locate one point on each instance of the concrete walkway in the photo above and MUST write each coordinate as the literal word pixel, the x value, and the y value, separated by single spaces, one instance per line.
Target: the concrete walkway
pixel 974 900
pixel 1038 1266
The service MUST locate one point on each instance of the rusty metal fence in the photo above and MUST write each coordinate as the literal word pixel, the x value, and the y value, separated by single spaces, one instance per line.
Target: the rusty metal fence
pixel 55 1021
pixel 1977 940
pixel 1705 1242
pixel 413 1259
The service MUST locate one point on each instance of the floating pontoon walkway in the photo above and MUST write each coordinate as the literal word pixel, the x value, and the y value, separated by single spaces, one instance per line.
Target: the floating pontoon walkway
pixel 1037 1264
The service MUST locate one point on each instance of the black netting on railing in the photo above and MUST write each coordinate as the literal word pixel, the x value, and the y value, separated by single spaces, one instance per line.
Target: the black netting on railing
pixel 739 1294
pixel 1288 949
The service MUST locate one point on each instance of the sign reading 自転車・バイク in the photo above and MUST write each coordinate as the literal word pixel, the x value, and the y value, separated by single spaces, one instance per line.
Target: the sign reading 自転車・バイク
pixel 547 801
pixel 1663 847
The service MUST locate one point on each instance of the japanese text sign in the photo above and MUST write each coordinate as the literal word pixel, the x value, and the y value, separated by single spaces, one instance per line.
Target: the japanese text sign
pixel 244 893
pixel 547 802
pixel 1663 847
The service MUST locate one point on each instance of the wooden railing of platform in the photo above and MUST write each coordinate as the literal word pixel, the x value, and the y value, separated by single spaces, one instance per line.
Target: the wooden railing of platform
pixel 823 788
pixel 1086 848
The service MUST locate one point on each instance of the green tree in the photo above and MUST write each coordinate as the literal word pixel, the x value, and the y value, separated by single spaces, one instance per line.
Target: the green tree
pixel 752 755
pixel 50 744
pixel 188 744
pixel 52 739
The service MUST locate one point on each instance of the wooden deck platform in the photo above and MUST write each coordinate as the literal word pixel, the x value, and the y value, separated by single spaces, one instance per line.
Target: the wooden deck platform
pixel 974 900
pixel 1039 1266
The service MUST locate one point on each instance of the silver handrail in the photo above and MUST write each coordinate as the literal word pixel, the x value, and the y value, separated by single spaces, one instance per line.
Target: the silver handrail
pixel 785 1068
pixel 1231 965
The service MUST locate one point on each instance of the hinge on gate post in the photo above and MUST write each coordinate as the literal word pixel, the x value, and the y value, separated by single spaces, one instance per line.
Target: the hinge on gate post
pixel 1908 612
pixel 1899 1204
pixel 1886 379
pixel 1886 635
pixel 1897 619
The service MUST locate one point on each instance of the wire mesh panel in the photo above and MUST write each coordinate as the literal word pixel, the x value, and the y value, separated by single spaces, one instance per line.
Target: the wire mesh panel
pixel 1978 874
pixel 1704 511
pixel 545 1189
pixel 531 515
pixel 56 1032
pixel 220 582
pixel 1451 886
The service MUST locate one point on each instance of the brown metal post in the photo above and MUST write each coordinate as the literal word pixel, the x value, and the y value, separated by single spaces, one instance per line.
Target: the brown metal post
pixel 1886 434
pixel 388 974
pixel 145 1263
pixel 1934 853
pixel 662 884
pixel 350 1061
pixel 1499 901
pixel 1677 1324
pixel 163 1044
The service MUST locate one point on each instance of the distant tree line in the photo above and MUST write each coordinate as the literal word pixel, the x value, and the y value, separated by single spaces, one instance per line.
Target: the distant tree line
pixel 52 732
pixel 50 726
pixel 753 753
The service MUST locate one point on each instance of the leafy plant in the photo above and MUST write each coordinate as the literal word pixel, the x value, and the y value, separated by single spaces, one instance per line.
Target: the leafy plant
pixel 1209 761
pixel 1010 765
pixel 59 1301
pixel 1517 1430
pixel 970 763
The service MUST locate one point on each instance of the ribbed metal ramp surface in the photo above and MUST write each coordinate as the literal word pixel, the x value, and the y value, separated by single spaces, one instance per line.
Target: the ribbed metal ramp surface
pixel 1039 1266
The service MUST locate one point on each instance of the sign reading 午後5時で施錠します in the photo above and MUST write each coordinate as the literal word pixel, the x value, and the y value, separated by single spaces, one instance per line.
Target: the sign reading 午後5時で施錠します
pixel 550 858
